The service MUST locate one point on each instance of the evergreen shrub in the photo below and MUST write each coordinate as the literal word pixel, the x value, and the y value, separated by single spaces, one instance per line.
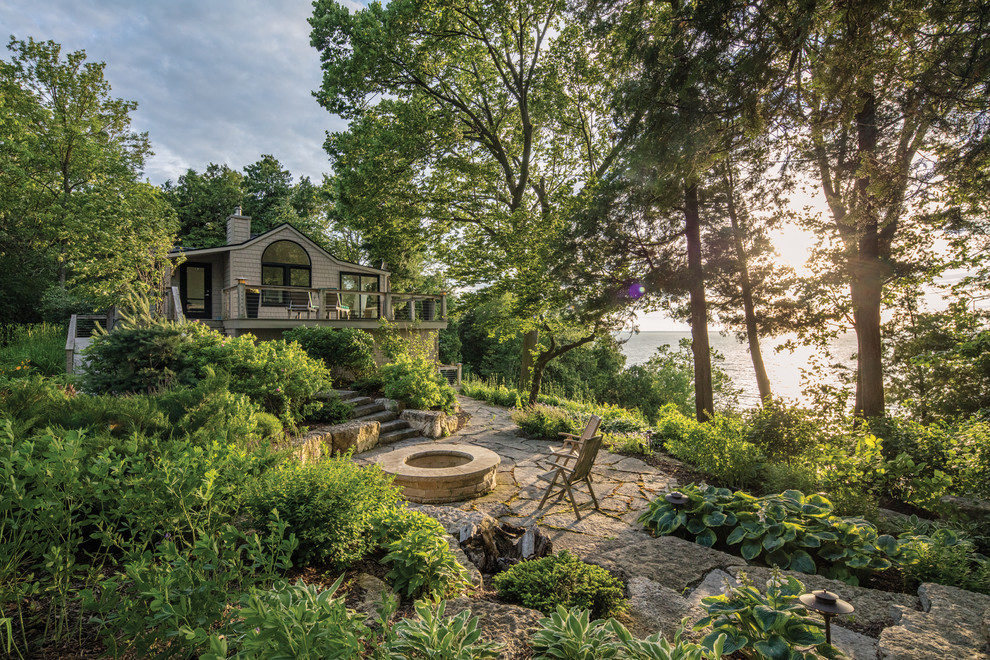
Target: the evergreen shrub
pixel 565 580
pixel 329 505
pixel 347 352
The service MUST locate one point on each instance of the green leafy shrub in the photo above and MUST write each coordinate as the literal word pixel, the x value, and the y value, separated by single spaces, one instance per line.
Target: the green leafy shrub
pixel 332 411
pixel 788 530
pixel 290 621
pixel 547 422
pixel 347 352
pixel 392 523
pixel 421 563
pixel 775 626
pixel 571 635
pixel 432 636
pixel 717 447
pixel 562 579
pixel 497 394
pixel 947 557
pixel 782 431
pixel 329 505
pixel 161 599
pixel 277 376
pixel 416 382
pixel 972 461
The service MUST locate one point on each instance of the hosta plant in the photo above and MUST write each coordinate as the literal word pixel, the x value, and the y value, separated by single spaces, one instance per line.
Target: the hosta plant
pixel 432 636
pixel 571 635
pixel 775 626
pixel 788 530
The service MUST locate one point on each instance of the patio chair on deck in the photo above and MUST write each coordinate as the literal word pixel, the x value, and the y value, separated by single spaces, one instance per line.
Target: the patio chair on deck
pixel 333 305
pixel 301 301
pixel 568 477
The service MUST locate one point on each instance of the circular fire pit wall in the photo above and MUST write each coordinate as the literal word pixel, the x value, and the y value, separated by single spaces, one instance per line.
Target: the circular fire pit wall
pixel 435 474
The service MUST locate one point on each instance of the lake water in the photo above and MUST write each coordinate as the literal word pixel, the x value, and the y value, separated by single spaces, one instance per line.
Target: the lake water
pixel 784 368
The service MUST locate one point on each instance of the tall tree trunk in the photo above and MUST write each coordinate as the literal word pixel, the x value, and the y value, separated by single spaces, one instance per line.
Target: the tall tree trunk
pixel 530 341
pixel 866 277
pixel 752 330
pixel 704 398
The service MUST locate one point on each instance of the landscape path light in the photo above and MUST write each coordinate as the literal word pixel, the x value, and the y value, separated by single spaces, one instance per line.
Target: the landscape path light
pixel 828 605
pixel 677 499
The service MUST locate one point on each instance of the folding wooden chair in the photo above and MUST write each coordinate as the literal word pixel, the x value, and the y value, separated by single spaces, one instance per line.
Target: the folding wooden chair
pixel 301 301
pixel 568 477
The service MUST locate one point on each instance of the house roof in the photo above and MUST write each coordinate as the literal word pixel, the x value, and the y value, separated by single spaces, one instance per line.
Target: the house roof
pixel 177 251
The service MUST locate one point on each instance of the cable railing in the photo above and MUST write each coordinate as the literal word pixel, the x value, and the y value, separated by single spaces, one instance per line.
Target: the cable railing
pixel 255 301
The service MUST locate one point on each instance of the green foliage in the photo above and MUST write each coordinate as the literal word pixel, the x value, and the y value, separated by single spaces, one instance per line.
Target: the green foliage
pixel 415 381
pixel 946 556
pixel 422 564
pixel 150 356
pixel 347 352
pixel 562 579
pixel 540 421
pixel 571 635
pixel 73 204
pixel 332 411
pixel 432 636
pixel 419 555
pixel 36 349
pixel 718 447
pixel 329 505
pixel 788 530
pixel 775 626
pixel 289 621
pixel 164 596
pixel 202 203
pixel 782 431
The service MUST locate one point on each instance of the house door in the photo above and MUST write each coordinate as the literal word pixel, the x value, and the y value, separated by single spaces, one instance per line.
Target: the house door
pixel 196 290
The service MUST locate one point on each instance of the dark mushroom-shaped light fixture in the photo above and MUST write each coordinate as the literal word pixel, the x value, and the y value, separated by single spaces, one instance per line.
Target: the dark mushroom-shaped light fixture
pixel 677 499
pixel 828 605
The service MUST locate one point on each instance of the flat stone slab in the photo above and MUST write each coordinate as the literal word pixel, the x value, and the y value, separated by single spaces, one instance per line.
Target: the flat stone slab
pixel 440 473
pixel 509 625
pixel 667 560
pixel 654 608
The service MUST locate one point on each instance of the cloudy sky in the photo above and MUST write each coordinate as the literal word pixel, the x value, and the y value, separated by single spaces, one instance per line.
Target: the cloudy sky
pixel 219 81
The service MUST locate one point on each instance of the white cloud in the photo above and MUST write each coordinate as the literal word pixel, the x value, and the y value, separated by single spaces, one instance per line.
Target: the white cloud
pixel 219 81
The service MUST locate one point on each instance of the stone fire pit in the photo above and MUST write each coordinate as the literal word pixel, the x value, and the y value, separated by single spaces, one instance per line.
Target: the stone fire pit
pixel 438 473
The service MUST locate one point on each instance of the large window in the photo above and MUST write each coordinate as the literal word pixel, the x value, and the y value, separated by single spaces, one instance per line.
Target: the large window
pixel 362 306
pixel 284 263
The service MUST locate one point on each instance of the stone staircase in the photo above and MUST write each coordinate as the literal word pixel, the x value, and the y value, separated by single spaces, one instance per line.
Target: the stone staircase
pixel 366 409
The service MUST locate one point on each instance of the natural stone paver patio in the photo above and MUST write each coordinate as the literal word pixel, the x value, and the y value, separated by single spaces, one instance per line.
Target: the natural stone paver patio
pixel 667 577
pixel 623 485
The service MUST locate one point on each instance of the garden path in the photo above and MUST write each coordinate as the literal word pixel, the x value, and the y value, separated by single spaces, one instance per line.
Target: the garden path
pixel 624 485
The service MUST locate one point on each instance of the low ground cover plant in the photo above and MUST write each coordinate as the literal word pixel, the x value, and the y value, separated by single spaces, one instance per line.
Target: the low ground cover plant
pixel 32 349
pixel 788 530
pixel 774 626
pixel 570 633
pixel 562 579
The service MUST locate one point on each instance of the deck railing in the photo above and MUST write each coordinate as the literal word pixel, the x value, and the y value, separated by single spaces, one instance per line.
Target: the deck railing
pixel 254 301
pixel 82 327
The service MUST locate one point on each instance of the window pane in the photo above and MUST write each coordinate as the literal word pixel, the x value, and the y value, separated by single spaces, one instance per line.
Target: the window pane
pixel 369 283
pixel 285 252
pixel 273 275
pixel 299 276
pixel 350 282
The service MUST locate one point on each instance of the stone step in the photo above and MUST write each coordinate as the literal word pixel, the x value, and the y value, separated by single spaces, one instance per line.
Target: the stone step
pixel 366 409
pixel 346 394
pixel 395 436
pixel 383 416
pixel 393 425
pixel 359 400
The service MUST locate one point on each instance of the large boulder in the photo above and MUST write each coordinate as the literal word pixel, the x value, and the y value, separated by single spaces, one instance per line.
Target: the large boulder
pixel 430 423
pixel 509 625
pixel 952 625
pixel 314 445
pixel 359 436
pixel 654 608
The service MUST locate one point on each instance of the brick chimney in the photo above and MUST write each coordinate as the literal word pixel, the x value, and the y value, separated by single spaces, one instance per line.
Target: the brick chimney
pixel 238 227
